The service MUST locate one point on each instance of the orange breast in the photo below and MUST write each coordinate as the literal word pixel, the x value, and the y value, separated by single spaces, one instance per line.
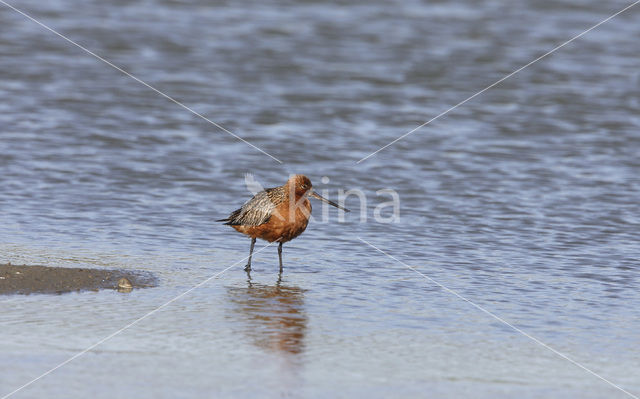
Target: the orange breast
pixel 285 224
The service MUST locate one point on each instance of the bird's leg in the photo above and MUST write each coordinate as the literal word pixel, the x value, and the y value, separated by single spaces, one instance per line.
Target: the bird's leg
pixel 280 255
pixel 248 266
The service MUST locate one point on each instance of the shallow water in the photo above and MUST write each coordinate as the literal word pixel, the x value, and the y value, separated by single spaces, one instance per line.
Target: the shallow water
pixel 524 200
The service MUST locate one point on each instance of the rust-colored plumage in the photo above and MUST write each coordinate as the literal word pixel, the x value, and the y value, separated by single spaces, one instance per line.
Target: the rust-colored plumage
pixel 276 214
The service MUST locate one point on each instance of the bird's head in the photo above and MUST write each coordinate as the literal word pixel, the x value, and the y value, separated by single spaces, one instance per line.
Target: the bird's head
pixel 300 185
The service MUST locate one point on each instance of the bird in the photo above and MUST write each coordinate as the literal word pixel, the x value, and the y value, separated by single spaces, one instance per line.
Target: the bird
pixel 277 214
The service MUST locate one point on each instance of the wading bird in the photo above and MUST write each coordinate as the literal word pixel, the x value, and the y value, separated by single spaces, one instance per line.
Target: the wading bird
pixel 276 214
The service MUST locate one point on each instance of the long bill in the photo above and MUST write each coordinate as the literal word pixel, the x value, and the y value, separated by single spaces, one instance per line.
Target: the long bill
pixel 314 195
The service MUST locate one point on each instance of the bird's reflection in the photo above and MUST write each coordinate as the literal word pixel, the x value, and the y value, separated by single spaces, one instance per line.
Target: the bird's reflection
pixel 275 314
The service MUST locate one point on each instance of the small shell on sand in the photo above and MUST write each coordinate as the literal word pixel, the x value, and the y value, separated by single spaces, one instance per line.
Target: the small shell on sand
pixel 124 285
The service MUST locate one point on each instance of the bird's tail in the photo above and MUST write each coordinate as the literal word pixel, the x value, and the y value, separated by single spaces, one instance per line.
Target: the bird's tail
pixel 230 220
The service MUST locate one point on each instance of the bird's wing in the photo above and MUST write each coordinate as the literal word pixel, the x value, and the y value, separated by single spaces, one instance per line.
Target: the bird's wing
pixel 257 210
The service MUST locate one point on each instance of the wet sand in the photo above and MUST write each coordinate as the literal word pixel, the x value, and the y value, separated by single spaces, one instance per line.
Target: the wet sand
pixel 25 279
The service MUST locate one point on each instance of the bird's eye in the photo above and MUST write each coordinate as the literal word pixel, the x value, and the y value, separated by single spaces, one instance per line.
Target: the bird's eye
pixel 304 186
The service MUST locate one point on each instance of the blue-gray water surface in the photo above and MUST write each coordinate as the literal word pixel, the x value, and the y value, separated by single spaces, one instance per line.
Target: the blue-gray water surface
pixel 524 200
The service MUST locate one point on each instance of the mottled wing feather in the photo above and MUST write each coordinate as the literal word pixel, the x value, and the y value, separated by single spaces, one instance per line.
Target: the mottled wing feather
pixel 258 209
